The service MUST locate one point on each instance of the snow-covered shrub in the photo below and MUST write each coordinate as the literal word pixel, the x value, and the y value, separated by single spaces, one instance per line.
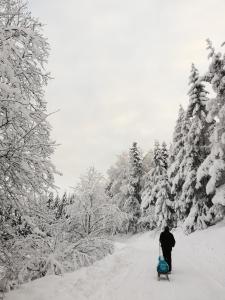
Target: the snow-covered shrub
pixel 89 221
pixel 85 252
pixel 28 258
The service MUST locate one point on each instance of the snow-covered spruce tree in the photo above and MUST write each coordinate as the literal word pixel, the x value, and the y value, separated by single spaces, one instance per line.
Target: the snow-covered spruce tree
pixel 61 206
pixel 50 200
pixel 164 156
pixel 133 201
pixel 150 180
pixel 195 203
pixel 177 144
pixel 213 167
pixel 25 146
pixel 177 162
pixel 136 171
pixel 164 213
pixel 146 221
pixel 157 206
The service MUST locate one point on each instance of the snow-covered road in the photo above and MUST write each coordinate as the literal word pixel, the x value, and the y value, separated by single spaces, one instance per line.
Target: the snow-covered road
pixel 130 273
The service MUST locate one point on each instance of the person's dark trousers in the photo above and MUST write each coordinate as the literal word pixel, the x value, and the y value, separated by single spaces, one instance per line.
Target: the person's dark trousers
pixel 167 257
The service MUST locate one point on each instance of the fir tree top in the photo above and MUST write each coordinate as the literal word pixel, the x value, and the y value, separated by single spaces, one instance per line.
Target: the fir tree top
pixel 197 95
pixel 135 159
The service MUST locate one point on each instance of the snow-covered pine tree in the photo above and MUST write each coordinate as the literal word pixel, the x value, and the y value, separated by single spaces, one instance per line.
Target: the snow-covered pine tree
pixel 164 213
pixel 156 173
pixel 164 155
pixel 213 167
pixel 133 202
pixel 150 179
pixel 195 203
pixel 61 206
pixel 177 144
pixel 146 220
pixel 176 163
pixel 50 201
pixel 157 207
pixel 131 187
pixel 157 154
pixel 135 172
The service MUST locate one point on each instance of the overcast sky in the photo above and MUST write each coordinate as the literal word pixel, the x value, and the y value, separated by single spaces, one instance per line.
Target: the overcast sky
pixel 120 71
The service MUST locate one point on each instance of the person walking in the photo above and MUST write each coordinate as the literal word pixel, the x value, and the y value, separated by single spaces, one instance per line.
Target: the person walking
pixel 167 242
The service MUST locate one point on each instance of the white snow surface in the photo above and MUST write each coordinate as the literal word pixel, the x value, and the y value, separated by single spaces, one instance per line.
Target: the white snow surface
pixel 130 273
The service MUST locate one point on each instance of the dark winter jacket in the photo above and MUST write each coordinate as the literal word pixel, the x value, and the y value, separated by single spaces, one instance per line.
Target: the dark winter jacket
pixel 167 240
